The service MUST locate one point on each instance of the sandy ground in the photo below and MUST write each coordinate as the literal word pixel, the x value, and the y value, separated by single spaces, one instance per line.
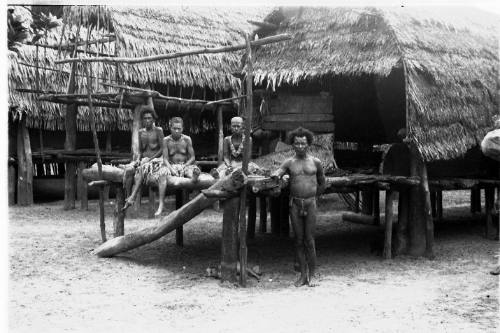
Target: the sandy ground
pixel 56 284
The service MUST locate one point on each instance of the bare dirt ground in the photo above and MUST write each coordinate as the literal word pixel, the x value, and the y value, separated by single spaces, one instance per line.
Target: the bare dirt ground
pixel 56 284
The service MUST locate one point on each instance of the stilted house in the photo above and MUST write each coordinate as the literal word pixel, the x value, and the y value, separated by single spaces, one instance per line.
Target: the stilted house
pixel 377 76
pixel 125 32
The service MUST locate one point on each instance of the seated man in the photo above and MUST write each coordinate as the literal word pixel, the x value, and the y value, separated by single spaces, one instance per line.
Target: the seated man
pixel 149 161
pixel 233 151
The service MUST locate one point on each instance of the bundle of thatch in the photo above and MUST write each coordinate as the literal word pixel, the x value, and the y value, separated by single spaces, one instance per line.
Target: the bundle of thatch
pixel 449 56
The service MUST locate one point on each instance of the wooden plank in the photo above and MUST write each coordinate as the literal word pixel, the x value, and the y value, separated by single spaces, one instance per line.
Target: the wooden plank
pixel 293 103
pixel 288 126
pixel 299 117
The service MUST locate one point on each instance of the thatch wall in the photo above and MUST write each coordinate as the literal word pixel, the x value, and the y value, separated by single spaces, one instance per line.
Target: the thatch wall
pixel 449 56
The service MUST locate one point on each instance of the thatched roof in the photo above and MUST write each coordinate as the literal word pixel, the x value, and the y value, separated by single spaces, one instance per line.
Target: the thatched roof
pixel 54 78
pixel 145 31
pixel 450 58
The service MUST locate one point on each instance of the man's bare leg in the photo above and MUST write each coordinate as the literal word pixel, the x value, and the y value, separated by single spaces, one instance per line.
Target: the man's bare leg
pixel 162 187
pixel 193 173
pixel 135 190
pixel 309 230
pixel 298 228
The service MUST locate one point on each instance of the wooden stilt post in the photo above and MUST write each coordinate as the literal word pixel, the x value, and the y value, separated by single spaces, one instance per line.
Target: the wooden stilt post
pixel 82 187
pixel 275 215
pixel 70 144
pixel 229 258
pixel 429 222
pixel 119 214
pixel 220 141
pixel 285 214
pixel 489 201
pixel 263 214
pixel 252 215
pixel 136 126
pixel 107 149
pixel 12 184
pixel 179 232
pixel 402 236
pixel 151 202
pixel 389 200
pixel 439 205
pixel 376 206
pixel 433 203
pixel 24 165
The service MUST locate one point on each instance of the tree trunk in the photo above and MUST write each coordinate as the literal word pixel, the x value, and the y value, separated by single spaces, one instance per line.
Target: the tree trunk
pixel 82 187
pixel 25 165
pixel 170 222
pixel 402 236
pixel 489 202
pixel 70 144
pixel 12 185
pixel 418 210
pixel 229 258
pixel 389 200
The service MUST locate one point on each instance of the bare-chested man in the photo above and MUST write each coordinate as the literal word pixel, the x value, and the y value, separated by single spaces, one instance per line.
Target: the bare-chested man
pixel 307 181
pixel 150 150
pixel 233 151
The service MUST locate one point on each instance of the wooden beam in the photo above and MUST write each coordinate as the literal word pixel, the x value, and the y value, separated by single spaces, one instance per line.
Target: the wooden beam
pixel 119 213
pixel 82 190
pixel 70 144
pixel 220 139
pixel 264 25
pixel 260 42
pixel 359 218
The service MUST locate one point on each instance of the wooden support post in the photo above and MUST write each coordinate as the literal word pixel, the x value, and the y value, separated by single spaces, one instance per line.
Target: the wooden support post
pixel 102 224
pixel 439 205
pixel 24 165
pixel 376 205
pixel 433 203
pixel 12 185
pixel 151 202
pixel 119 214
pixel 70 144
pixel 108 150
pixel 82 187
pixel 389 200
pixel 429 222
pixel 489 202
pixel 229 258
pixel 274 203
pixel 367 202
pixel 263 214
pixel 135 149
pixel 220 141
pixel 285 214
pixel 252 215
pixel 179 202
pixel 402 236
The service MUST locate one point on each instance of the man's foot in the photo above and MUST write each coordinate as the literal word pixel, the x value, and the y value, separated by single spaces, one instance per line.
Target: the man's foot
pixel 301 281
pixel 214 173
pixel 296 267
pixel 312 281
pixel 129 202
pixel 196 174
pixel 159 211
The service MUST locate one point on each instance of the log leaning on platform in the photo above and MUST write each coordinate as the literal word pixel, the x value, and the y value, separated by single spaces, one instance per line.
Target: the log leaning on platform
pixel 359 218
pixel 172 221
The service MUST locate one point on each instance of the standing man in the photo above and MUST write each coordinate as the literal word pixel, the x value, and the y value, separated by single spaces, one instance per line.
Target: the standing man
pixel 307 181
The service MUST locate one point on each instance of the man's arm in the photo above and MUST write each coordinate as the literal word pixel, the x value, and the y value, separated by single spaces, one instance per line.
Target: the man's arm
pixel 166 162
pixel 320 176
pixel 282 169
pixel 160 137
pixel 190 150
pixel 139 154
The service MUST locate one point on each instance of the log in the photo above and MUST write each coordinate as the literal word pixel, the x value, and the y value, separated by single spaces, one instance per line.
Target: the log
pixel 119 213
pixel 429 222
pixel 402 236
pixel 489 202
pixel 264 25
pixel 220 141
pixel 359 218
pixel 99 183
pixel 263 41
pixel 453 183
pixel 263 214
pixel 360 179
pixel 136 126
pixel 229 256
pixel 170 222
pixel 24 165
pixel 389 201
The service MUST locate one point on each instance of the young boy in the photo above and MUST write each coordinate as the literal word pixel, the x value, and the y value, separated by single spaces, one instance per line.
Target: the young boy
pixel 307 181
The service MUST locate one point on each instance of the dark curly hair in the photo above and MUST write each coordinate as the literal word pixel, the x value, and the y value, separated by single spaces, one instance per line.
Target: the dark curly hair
pixel 300 132
pixel 148 109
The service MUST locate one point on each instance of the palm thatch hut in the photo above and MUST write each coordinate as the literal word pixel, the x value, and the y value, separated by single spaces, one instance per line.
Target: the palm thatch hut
pixel 129 32
pixel 376 76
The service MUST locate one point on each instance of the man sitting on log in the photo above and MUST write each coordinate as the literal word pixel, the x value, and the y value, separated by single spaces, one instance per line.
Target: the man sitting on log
pixel 307 181
pixel 149 161
pixel 233 151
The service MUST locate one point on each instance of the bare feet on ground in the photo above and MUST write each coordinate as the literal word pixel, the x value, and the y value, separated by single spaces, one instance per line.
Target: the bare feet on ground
pixel 301 281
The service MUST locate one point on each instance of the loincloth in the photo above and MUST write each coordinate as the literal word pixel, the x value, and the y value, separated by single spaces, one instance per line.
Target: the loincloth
pixel 303 204
pixel 153 170
pixel 181 170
